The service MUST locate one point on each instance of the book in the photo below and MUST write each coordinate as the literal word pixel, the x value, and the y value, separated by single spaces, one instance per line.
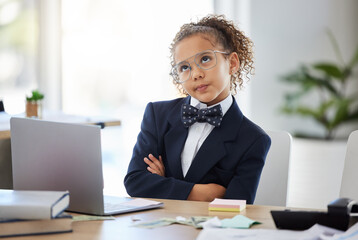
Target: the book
pixel 24 204
pixel 227 205
pixel 21 227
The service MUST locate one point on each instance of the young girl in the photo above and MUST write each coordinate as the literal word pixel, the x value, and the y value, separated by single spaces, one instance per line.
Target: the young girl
pixel 201 147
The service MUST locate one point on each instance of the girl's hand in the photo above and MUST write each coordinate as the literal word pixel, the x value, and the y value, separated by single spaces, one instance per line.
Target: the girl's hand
pixel 154 165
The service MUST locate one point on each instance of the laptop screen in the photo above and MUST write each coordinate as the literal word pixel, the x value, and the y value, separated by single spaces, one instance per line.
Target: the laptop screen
pixel 59 156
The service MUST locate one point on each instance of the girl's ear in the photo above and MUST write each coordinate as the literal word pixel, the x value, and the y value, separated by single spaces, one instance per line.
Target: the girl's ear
pixel 234 63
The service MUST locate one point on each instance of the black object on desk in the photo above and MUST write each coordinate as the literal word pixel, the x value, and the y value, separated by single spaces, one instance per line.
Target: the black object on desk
pixel 341 214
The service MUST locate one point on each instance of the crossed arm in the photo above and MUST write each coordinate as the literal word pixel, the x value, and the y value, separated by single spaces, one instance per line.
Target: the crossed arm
pixel 200 192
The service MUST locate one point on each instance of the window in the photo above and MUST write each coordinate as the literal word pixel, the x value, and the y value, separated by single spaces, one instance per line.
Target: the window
pixel 18 52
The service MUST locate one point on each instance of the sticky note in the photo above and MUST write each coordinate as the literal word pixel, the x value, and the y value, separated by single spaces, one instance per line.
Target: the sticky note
pixel 238 221
pixel 230 205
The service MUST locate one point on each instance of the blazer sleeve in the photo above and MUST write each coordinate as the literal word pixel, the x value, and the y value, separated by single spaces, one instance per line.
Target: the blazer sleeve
pixel 139 182
pixel 247 173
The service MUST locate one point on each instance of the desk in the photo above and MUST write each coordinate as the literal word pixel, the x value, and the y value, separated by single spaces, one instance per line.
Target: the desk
pixel 120 228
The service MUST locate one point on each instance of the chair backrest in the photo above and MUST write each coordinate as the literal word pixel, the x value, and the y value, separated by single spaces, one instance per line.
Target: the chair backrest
pixel 272 189
pixel 2 108
pixel 349 178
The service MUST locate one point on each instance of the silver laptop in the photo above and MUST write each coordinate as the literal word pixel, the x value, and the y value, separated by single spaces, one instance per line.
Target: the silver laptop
pixel 64 156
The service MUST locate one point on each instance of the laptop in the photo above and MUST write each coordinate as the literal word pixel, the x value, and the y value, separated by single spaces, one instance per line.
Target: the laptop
pixel 49 155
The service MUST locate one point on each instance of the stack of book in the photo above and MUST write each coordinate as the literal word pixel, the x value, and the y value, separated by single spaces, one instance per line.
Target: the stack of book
pixel 33 212
pixel 227 205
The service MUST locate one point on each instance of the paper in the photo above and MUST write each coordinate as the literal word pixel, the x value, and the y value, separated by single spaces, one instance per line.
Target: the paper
pixel 232 205
pixel 314 233
pixel 156 223
pixel 192 221
pixel 239 221
pixel 350 234
pixel 212 223
pixel 140 202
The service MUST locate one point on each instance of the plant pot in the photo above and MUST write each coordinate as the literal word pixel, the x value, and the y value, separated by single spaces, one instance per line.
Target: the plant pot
pixel 315 173
pixel 34 109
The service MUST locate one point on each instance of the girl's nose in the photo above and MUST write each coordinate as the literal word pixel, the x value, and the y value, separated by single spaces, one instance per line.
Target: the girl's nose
pixel 196 72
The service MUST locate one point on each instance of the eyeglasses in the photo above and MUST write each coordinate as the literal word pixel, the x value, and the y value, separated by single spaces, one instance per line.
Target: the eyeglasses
pixel 204 60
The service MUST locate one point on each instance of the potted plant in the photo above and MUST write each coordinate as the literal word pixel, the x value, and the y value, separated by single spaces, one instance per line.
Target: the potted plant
pixel 34 104
pixel 318 163
pixel 330 82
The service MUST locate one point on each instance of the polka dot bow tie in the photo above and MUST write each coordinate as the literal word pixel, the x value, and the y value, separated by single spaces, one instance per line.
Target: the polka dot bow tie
pixel 191 115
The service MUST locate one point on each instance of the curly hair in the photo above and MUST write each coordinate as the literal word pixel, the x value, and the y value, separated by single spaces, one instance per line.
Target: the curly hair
pixel 225 33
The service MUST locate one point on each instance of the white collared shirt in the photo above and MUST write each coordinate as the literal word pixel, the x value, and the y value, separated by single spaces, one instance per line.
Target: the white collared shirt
pixel 198 132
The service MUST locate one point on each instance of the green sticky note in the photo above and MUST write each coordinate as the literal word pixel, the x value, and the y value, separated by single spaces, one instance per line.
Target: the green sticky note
pixel 239 221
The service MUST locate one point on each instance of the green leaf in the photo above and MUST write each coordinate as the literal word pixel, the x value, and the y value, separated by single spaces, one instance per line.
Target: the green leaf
pixel 329 69
pixel 324 107
pixel 306 111
pixel 291 98
pixel 341 113
pixel 287 110
pixel 36 95
pixel 324 83
pixel 307 82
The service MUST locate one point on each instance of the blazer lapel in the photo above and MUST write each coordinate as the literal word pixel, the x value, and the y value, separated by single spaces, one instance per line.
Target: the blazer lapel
pixel 174 140
pixel 213 148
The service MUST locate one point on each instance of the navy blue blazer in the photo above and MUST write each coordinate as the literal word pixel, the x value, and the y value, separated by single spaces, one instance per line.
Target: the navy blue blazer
pixel 233 155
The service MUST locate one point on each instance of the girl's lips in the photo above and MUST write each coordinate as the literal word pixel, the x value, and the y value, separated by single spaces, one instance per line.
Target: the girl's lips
pixel 201 88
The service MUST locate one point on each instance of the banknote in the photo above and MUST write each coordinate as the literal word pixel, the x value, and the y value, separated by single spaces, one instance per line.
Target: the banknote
pixel 156 223
pixel 91 218
pixel 191 221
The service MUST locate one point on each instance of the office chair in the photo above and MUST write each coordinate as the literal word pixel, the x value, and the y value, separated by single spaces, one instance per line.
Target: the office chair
pixel 272 189
pixel 2 108
pixel 349 178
